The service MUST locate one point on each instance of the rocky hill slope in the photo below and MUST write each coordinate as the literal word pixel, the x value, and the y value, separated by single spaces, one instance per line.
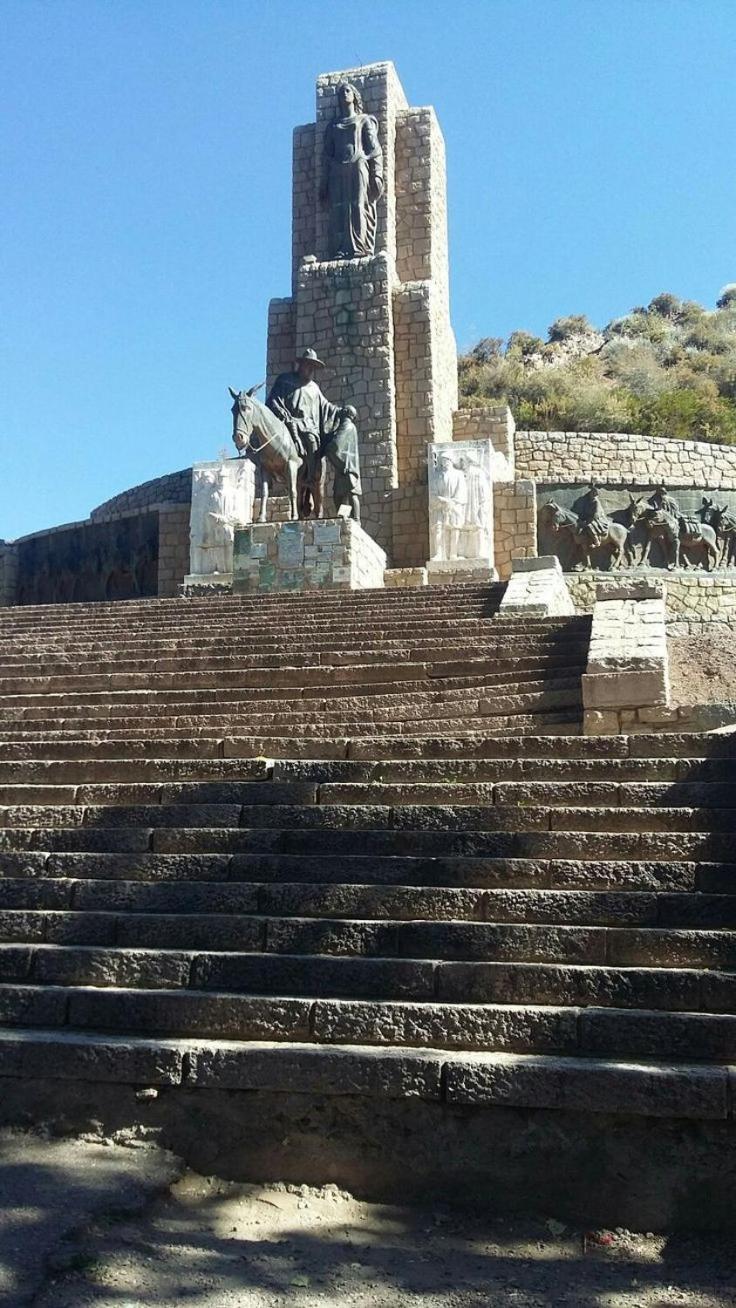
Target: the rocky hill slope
pixel 666 370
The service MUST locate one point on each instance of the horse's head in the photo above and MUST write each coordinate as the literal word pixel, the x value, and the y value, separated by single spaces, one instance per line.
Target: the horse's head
pixel 243 411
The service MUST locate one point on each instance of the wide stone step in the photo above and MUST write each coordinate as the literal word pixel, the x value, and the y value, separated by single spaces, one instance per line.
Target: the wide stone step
pixel 470 757
pixel 222 805
pixel 226 936
pixel 318 736
pixel 203 708
pixel 351 642
pixel 226 646
pixel 507 673
pixel 485 1027
pixel 365 902
pixel 510 1079
pixel 44 855
pixel 154 828
pixel 673 988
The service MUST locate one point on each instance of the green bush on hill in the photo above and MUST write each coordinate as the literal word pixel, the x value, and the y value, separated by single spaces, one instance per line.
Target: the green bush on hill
pixel 667 369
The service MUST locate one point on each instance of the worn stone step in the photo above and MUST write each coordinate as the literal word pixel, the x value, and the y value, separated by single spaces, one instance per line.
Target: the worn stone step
pixel 704 752
pixel 350 641
pixel 367 902
pixel 388 938
pixel 669 988
pixel 536 844
pixel 509 1079
pixel 351 696
pixel 318 737
pixel 36 861
pixel 487 1027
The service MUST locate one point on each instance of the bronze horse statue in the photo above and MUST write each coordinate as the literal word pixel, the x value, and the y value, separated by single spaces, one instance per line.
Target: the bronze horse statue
pixel 260 435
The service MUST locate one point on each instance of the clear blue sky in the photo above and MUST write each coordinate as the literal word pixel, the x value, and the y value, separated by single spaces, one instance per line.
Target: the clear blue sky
pixel 145 151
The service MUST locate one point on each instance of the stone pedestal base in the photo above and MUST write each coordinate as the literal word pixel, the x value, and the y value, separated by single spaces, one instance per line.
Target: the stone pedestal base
pixel 214 583
pixel 442 572
pixel 332 553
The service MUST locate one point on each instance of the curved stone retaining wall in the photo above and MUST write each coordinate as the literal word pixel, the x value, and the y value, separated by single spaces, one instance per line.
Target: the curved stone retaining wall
pixel 622 457
pixel 174 488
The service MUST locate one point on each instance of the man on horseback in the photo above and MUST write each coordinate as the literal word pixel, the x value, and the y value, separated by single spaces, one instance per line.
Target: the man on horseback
pixel 297 400
pixel 593 519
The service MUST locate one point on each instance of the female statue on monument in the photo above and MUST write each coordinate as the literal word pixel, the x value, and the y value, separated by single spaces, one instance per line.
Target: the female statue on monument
pixel 352 178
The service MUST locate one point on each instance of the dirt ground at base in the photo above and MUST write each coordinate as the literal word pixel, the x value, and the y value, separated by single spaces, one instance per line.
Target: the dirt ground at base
pixel 703 668
pixel 92 1225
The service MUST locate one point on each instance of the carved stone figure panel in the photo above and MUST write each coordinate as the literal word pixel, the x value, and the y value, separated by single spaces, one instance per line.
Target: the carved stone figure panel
pixel 461 502
pixel 222 498
pixel 352 177
pixel 612 527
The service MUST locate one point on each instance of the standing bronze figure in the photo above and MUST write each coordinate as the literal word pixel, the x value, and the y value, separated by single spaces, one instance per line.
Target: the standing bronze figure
pixel 352 177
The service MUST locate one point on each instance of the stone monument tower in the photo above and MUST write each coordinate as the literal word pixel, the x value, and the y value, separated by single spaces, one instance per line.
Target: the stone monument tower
pixel 370 288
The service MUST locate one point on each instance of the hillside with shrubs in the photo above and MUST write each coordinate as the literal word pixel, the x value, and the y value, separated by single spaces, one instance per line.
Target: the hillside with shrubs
pixel 666 370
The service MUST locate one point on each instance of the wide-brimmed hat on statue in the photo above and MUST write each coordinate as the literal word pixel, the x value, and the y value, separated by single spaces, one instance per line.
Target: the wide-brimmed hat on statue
pixel 310 356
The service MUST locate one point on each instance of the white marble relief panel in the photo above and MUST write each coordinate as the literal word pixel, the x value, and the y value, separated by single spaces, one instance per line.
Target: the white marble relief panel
pixel 222 499
pixel 461 501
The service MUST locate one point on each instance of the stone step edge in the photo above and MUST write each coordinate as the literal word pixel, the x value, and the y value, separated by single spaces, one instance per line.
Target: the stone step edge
pixel 661 1089
pixel 460 1026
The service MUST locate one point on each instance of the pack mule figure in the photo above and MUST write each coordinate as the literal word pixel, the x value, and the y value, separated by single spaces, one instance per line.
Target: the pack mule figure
pixel 721 518
pixel 664 523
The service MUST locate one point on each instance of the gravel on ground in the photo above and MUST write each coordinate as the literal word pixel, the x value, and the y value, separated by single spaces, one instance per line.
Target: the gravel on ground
pixel 703 668
pixel 91 1225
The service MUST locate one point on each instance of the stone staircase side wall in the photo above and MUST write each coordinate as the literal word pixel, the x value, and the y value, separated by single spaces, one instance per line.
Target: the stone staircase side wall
pixel 627 670
pixel 536 588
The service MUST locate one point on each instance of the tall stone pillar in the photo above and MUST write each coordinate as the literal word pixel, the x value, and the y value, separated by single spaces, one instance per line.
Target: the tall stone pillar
pixel 380 322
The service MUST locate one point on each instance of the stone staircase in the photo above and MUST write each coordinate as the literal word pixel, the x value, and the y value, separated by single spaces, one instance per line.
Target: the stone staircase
pixel 355 844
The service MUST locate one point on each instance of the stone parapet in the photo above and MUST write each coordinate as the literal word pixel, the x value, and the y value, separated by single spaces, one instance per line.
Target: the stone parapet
pixel 174 488
pixel 331 553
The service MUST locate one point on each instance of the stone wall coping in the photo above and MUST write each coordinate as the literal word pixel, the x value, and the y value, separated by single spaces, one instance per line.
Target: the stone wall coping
pixel 543 563
pixel 637 588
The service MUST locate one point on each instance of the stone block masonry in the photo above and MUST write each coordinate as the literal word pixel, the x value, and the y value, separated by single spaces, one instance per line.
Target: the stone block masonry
pixel 627 658
pixel 333 553
pixel 381 323
pixel 623 457
pixel 515 524
pixel 691 599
